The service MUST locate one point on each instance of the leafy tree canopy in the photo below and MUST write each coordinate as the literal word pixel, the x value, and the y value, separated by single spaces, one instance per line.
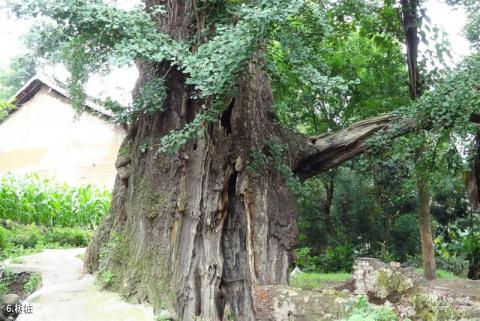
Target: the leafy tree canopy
pixel 301 37
pixel 20 69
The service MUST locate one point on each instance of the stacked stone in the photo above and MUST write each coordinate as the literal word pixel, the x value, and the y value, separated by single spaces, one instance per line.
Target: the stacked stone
pixel 363 274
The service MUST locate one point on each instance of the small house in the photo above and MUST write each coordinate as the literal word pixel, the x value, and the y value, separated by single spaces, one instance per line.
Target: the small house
pixel 45 135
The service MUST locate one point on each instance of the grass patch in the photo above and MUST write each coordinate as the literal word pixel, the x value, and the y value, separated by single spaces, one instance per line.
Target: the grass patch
pixel 444 275
pixel 33 284
pixel 23 283
pixel 310 281
pixel 17 260
pixel 364 311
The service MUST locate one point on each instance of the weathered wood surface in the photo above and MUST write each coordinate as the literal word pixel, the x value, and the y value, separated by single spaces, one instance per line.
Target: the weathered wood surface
pixel 330 150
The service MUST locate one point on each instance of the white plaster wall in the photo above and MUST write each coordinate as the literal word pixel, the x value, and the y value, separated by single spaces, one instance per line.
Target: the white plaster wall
pixel 44 137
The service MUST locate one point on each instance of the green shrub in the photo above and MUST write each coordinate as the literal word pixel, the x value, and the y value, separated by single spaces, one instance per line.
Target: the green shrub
pixel 414 260
pixel 67 236
pixel 406 236
pixel 470 247
pixel 457 265
pixel 368 312
pixel 26 236
pixel 31 199
pixel 338 259
pixel 25 239
pixel 107 278
pixel 384 253
pixel 305 261
pixel 3 241
pixel 461 253
pixel 33 284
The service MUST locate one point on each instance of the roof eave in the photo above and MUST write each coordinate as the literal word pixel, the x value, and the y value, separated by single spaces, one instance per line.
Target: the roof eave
pixel 33 85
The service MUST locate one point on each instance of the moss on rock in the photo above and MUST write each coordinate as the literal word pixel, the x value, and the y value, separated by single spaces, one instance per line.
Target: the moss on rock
pixel 429 307
pixel 389 282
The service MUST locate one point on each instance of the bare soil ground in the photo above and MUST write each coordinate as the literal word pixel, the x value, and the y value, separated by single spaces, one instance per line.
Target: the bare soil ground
pixel 469 288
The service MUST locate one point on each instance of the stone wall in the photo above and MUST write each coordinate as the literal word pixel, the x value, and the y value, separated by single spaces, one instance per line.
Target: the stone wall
pixel 281 303
pixel 373 277
pixel 411 296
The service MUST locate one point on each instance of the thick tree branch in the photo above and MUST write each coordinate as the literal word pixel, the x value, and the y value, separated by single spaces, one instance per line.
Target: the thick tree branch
pixel 330 150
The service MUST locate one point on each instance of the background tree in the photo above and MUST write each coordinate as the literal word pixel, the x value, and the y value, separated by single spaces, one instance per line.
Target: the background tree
pixel 411 21
pixel 20 69
pixel 363 74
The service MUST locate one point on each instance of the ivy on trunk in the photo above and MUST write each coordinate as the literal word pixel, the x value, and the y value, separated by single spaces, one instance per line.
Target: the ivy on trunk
pixel 202 217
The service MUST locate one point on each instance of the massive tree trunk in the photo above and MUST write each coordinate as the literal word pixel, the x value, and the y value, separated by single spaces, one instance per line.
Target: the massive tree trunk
pixel 198 231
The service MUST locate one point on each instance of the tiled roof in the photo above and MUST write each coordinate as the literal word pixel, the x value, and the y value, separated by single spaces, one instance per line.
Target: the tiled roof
pixel 35 84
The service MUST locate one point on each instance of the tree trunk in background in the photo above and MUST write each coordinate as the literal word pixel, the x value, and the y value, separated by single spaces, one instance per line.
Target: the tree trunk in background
pixel 428 250
pixel 474 176
pixel 411 20
pixel 327 206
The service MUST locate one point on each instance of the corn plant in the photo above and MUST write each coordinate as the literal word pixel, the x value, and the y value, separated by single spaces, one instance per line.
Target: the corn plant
pixel 31 199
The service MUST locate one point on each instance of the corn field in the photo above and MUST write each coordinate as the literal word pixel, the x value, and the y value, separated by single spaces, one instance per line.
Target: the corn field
pixel 31 199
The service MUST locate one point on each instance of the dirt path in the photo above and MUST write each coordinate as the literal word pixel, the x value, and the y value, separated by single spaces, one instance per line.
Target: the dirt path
pixel 469 288
pixel 66 294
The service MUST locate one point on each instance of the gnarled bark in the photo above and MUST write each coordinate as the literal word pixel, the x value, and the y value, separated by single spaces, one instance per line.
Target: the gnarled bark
pixel 196 232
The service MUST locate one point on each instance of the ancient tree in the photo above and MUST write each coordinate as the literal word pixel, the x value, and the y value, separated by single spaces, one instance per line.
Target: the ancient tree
pixel 202 214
